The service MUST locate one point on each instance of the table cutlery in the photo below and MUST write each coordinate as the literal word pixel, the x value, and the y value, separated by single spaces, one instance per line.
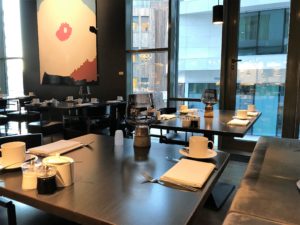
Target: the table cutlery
pixel 150 179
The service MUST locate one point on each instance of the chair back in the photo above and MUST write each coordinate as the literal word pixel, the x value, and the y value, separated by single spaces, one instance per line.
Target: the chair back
pixel 31 140
pixel 138 103
pixel 3 105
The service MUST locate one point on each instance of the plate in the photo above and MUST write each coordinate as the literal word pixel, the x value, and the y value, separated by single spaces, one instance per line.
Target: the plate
pixel 18 165
pixel 240 118
pixel 211 154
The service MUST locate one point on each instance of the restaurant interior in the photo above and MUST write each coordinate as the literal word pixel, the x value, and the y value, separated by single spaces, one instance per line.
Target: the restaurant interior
pixel 149 112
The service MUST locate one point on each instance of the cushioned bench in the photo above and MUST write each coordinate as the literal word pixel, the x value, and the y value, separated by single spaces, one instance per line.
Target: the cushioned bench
pixel 268 192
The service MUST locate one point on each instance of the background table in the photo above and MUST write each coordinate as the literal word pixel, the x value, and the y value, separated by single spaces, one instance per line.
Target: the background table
pixel 210 126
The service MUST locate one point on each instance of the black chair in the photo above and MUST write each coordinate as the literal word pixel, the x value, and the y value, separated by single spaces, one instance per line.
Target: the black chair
pixel 136 110
pixel 3 122
pixel 23 115
pixel 3 106
pixel 31 140
pixel 173 137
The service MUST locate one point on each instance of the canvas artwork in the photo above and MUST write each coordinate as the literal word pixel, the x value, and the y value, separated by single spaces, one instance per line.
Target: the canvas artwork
pixel 67 47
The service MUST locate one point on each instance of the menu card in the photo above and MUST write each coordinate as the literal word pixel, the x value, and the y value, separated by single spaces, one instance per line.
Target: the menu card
pixel 189 172
pixel 58 147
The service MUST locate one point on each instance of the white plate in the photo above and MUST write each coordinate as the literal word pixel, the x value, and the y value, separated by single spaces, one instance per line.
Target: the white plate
pixel 211 154
pixel 241 118
pixel 18 165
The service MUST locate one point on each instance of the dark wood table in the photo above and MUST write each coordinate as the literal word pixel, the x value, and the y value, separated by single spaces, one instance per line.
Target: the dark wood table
pixel 108 188
pixel 210 126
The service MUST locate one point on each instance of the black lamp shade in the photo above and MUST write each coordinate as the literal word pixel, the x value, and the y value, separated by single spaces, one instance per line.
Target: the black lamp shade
pixel 218 14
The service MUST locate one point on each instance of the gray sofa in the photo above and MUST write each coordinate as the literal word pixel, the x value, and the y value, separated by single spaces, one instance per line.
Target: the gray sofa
pixel 268 194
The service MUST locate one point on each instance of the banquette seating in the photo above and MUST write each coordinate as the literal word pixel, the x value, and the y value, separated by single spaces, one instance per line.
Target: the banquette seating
pixel 268 193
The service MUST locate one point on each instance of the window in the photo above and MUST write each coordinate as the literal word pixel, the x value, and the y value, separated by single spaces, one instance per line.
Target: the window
pixel 147 48
pixel 262 70
pixel 11 56
pixel 199 53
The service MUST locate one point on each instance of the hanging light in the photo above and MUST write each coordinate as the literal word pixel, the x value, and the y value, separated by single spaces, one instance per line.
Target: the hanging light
pixel 217 14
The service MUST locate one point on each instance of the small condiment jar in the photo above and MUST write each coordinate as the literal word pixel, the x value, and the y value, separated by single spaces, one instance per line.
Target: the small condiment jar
pixel 46 183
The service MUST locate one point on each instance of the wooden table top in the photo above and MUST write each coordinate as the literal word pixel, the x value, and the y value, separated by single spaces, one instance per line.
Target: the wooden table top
pixel 108 188
pixel 210 126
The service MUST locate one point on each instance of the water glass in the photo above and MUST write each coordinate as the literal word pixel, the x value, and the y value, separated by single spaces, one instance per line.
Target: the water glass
pixel 119 139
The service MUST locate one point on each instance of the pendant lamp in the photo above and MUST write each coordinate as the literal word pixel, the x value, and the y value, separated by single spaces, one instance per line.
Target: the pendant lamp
pixel 217 17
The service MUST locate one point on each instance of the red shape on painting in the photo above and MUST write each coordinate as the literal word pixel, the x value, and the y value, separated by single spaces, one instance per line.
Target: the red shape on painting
pixel 87 71
pixel 64 32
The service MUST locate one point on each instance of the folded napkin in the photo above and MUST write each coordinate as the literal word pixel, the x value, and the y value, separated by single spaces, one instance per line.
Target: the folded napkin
pixel 238 122
pixel 189 172
pixel 252 113
pixel 58 147
pixel 84 104
pixel 167 116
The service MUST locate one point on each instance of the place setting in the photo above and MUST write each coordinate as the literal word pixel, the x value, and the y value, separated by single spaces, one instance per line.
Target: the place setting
pixel 13 155
pixel 198 148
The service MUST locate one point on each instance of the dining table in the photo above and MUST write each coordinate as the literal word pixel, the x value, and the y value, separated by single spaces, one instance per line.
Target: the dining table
pixel 109 188
pixel 210 126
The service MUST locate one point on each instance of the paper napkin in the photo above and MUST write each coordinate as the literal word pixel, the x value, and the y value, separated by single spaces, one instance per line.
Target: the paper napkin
pixel 167 116
pixel 252 113
pixel 238 122
pixel 189 172
pixel 60 147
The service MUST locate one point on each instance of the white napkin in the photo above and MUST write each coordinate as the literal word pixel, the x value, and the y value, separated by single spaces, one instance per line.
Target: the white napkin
pixel 58 147
pixel 252 113
pixel 189 172
pixel 167 116
pixel 238 122
pixel 84 104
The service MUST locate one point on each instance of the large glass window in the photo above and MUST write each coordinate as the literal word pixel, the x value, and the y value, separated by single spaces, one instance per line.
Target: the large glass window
pixel 199 51
pixel 263 39
pixel 11 57
pixel 147 48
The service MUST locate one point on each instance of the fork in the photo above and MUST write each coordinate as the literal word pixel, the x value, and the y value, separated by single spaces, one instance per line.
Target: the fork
pixel 150 179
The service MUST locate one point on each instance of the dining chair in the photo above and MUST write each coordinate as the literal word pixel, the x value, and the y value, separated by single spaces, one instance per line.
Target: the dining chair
pixel 23 115
pixel 31 140
pixel 3 106
pixel 136 110
pixel 3 122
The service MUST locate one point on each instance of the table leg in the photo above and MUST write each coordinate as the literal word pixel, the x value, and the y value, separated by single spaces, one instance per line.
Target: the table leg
pixel 219 195
pixel 11 212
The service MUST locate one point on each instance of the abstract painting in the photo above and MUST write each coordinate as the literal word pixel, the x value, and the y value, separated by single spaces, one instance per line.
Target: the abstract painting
pixel 67 45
